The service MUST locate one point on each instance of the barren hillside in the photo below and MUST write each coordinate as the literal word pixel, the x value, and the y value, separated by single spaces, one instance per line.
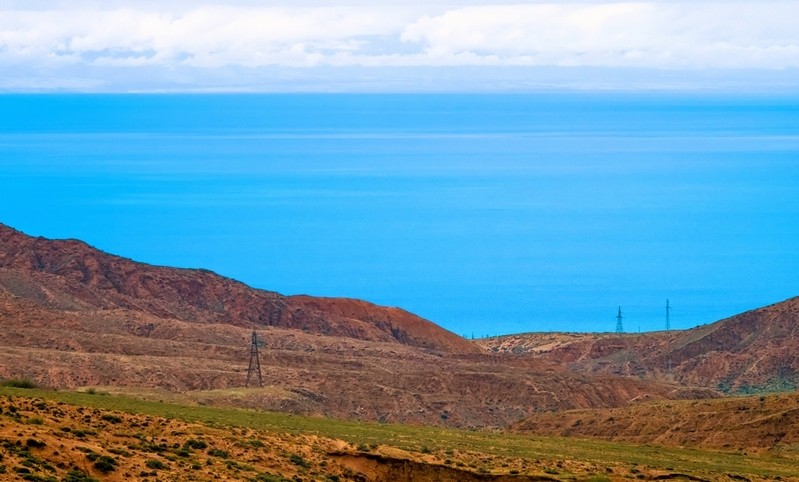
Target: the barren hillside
pixel 73 316
pixel 752 423
pixel 70 275
pixel 90 437
pixel 755 351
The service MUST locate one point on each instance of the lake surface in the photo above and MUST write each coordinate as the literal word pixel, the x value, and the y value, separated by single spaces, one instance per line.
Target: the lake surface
pixel 485 213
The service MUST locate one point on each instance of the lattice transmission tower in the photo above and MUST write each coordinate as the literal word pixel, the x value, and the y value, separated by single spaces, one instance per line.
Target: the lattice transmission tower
pixel 668 312
pixel 619 326
pixel 254 370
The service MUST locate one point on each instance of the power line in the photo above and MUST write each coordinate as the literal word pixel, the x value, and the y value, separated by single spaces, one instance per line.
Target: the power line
pixel 668 311
pixel 255 363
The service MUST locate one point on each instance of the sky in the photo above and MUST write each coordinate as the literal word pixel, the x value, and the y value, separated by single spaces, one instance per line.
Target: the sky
pixel 368 45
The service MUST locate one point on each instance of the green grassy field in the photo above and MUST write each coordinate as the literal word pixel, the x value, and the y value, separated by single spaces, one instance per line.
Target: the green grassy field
pixel 417 438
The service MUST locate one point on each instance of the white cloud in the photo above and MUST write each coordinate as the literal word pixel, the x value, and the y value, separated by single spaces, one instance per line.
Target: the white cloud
pixel 41 36
pixel 206 36
pixel 666 36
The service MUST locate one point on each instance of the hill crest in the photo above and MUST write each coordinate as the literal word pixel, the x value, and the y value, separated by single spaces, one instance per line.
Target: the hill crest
pixel 72 275
pixel 754 351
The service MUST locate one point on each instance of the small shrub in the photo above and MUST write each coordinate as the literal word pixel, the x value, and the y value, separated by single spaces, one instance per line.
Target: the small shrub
pixel 231 464
pixel 152 447
pixel 218 453
pixel 425 450
pixel 298 460
pixel 195 444
pixel 105 464
pixel 111 418
pixel 122 452
pixel 34 444
pixel 35 421
pixel 39 478
pixel 155 464
pixel 19 383
pixel 78 476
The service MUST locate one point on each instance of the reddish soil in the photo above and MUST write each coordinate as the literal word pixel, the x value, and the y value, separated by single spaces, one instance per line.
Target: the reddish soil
pixel 73 316
pixel 751 352
pixel 751 424
pixel 40 439
pixel 70 275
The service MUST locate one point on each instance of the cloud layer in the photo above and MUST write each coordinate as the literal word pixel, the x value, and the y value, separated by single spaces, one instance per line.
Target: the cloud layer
pixel 664 36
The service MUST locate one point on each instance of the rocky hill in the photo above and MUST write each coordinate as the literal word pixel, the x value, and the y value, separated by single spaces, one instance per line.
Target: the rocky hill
pixel 71 275
pixel 752 352
pixel 73 316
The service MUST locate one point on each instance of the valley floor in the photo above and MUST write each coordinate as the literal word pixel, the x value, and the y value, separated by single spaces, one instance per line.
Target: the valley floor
pixel 70 436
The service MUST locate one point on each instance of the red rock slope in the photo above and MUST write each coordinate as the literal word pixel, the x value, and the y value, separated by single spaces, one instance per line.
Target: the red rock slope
pixel 71 275
pixel 754 351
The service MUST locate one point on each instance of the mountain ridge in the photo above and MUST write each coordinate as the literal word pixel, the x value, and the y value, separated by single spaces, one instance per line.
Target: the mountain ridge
pixel 104 281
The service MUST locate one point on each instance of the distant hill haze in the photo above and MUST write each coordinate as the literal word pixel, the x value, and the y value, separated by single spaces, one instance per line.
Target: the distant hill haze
pixel 73 316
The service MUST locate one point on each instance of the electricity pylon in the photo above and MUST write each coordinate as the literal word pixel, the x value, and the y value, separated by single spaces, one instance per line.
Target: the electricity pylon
pixel 668 310
pixel 255 362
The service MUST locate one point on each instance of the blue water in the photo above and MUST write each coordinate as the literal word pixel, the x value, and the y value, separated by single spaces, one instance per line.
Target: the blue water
pixel 485 213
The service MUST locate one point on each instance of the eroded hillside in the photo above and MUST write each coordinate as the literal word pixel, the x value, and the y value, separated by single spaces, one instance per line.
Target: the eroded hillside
pixel 747 424
pixel 73 317
pixel 69 275
pixel 45 439
pixel 751 352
